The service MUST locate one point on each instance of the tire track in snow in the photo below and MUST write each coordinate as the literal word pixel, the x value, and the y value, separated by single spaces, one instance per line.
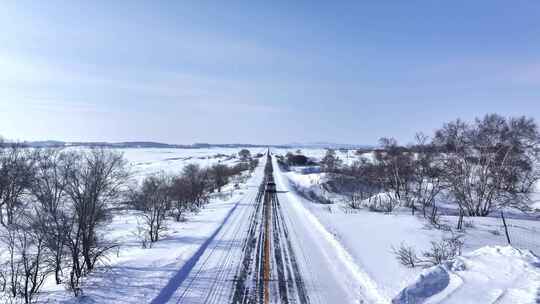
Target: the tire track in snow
pixel 243 293
pixel 222 252
pixel 353 281
pixel 224 268
pixel 174 283
pixel 285 284
pixel 219 249
pixel 291 260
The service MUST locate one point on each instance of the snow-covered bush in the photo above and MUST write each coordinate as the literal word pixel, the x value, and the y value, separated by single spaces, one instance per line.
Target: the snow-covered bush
pixel 382 202
pixel 440 252
pixel 406 255
pixel 443 251
pixel 142 235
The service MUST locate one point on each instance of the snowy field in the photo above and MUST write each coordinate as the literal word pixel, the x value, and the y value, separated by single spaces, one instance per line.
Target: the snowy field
pixel 347 156
pixel 354 247
pixel 136 275
pixel 370 236
pixel 153 160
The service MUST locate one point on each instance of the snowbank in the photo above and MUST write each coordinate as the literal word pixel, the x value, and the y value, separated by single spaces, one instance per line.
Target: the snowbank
pixel 311 180
pixel 428 283
pixel 491 274
pixel 368 237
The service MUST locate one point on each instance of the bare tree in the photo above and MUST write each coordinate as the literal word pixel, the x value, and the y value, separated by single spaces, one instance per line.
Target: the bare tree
pixel 490 164
pixel 48 189
pixel 180 196
pixel 244 154
pixel 362 183
pixel 296 159
pixel 426 180
pixel 253 164
pixel 15 175
pixel 3 277
pixel 26 268
pixel 197 179
pixel 330 162
pixel 396 168
pixel 219 174
pixel 154 199
pixel 94 180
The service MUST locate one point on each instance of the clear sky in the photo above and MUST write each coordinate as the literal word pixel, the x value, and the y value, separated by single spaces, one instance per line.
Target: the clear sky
pixel 262 71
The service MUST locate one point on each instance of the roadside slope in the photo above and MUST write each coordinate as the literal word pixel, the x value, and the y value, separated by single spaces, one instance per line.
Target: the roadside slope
pixel 330 273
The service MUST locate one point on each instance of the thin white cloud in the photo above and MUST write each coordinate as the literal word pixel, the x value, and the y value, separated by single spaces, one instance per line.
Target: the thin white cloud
pixel 528 74
pixel 60 106
pixel 32 84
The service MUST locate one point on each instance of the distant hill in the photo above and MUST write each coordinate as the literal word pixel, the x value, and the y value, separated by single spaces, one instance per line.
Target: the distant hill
pixel 151 144
pixel 326 145
pixel 139 144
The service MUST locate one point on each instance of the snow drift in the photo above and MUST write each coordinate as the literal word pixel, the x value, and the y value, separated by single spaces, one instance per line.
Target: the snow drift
pixel 491 274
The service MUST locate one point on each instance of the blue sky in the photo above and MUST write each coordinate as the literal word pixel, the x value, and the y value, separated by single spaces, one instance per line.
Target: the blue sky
pixel 262 71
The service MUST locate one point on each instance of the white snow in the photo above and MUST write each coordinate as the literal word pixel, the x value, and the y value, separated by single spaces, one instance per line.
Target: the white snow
pixel 345 255
pixel 348 157
pixel 367 237
pixel 137 275
pixel 347 280
pixel 134 274
pixel 491 274
pixel 152 160
pixel 429 283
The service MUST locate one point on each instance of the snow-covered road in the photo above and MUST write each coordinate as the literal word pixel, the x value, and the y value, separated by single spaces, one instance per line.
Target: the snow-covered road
pixel 329 272
pixel 269 249
pixel 208 276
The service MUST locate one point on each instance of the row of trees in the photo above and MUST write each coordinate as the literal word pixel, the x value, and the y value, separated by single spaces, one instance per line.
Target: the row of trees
pixel 162 195
pixel 329 163
pixel 53 203
pixel 481 166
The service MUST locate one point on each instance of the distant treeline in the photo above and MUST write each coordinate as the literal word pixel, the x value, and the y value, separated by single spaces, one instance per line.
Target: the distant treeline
pixel 483 166
pixel 134 144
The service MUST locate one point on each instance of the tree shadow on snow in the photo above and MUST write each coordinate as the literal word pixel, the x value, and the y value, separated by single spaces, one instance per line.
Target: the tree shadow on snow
pixel 122 283
pixel 176 281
